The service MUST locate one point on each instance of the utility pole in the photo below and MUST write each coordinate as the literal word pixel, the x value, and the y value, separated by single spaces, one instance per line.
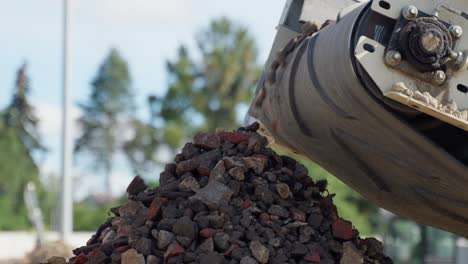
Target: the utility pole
pixel 66 199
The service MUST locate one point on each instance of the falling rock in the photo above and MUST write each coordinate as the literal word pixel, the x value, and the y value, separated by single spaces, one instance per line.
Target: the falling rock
pixel 351 255
pixel 259 251
pixel 131 256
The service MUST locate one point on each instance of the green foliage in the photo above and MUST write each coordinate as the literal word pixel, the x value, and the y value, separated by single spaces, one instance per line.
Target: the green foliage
pixel 19 139
pixel 141 149
pixel 203 94
pixel 19 115
pixel 109 107
pixel 88 216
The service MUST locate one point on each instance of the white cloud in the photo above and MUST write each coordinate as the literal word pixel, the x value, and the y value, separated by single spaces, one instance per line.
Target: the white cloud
pixel 50 118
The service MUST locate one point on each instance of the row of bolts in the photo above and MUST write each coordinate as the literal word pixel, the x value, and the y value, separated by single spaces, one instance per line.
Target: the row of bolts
pixel 394 58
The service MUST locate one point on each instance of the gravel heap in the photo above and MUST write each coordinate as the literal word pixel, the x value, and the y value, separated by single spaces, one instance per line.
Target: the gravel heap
pixel 229 199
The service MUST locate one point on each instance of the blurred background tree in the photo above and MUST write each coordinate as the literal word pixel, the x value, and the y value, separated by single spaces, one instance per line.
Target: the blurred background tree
pixel 206 89
pixel 19 137
pixel 106 115
pixel 141 149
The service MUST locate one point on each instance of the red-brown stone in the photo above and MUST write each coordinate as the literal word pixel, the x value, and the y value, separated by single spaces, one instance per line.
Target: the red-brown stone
pixel 264 217
pixel 173 250
pixel 233 137
pixel 230 249
pixel 312 258
pixel 81 259
pixel 342 229
pixel 122 249
pixel 155 207
pixel 260 156
pixel 209 232
pixel 246 204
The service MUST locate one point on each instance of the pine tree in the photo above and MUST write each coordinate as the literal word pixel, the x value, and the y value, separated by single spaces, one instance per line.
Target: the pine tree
pixel 19 141
pixel 204 94
pixel 106 115
pixel 19 115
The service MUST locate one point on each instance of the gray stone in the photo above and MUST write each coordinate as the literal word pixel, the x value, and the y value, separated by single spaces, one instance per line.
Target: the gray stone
pixel 187 166
pixel 207 140
pixel 131 256
pixel 136 186
pixel 165 238
pixel 152 259
pixel 214 194
pixel 143 246
pixel 206 246
pixel 184 241
pixel 231 162
pixel 237 173
pixel 259 251
pixel 351 254
pixel 283 190
pixel 221 241
pixel 109 236
pixel 184 227
pixel 248 260
pixel 256 164
pixel 217 174
pixel 212 258
pixel 189 184
pixel 154 233
pixel 315 218
pixel 278 211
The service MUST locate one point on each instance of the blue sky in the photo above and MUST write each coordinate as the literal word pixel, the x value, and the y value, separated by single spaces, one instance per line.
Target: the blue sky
pixel 146 32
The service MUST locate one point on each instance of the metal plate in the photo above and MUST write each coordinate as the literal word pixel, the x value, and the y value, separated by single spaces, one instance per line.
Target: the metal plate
pixel 451 12
pixel 385 77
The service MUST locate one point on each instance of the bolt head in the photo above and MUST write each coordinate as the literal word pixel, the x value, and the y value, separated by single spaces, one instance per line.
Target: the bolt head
pixel 439 77
pixel 393 58
pixel 456 31
pixel 410 12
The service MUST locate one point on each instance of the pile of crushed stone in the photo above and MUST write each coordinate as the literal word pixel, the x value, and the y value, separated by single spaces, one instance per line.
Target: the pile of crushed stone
pixel 229 199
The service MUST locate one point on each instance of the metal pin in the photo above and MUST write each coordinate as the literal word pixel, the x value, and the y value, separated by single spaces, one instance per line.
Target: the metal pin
pixel 393 58
pixel 439 77
pixel 456 31
pixel 410 12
